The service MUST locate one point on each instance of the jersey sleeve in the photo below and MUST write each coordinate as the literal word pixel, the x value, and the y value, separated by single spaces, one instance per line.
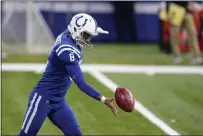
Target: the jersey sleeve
pixel 76 74
pixel 68 54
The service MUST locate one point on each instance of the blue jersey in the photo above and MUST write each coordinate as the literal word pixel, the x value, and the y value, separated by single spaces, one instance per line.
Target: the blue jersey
pixel 63 66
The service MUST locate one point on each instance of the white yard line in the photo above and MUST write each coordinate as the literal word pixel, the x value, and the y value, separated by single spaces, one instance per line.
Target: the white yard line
pixel 109 68
pixel 138 106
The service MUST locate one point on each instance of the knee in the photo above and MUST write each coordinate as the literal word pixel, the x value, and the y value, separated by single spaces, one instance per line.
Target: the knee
pixel 73 132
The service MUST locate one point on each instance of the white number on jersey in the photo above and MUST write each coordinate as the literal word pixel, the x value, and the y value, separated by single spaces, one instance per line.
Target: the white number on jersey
pixel 72 57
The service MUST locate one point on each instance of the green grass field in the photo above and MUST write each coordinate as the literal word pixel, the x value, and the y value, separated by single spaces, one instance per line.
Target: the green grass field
pixel 111 54
pixel 170 97
pixel 176 99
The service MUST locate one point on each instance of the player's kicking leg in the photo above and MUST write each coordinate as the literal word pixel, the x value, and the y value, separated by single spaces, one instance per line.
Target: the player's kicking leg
pixel 35 115
pixel 65 120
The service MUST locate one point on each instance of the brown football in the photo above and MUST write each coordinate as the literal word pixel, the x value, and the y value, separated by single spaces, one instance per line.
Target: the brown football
pixel 124 99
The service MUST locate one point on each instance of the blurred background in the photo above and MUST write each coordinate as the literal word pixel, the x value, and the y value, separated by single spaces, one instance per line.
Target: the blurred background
pixel 137 36
pixel 33 27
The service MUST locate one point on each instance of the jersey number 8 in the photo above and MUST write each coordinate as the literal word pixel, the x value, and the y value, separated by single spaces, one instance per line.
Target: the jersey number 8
pixel 72 58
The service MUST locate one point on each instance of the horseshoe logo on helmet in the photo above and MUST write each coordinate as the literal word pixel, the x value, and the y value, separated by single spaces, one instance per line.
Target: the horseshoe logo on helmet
pixel 82 24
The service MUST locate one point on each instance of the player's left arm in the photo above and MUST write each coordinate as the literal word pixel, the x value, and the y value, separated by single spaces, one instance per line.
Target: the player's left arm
pixel 76 74
pixel 70 58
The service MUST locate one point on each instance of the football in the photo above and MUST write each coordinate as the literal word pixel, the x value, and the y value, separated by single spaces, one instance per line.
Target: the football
pixel 124 99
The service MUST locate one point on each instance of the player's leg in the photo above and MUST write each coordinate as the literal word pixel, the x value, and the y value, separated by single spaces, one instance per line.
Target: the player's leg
pixel 192 35
pixel 35 115
pixel 65 120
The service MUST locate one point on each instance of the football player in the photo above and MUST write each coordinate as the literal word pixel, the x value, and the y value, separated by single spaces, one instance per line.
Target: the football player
pixel 47 98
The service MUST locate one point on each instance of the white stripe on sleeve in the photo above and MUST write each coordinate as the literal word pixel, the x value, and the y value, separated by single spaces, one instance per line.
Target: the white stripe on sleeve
pixel 65 45
pixel 68 49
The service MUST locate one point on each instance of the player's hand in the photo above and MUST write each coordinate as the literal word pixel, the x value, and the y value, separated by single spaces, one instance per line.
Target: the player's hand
pixel 109 103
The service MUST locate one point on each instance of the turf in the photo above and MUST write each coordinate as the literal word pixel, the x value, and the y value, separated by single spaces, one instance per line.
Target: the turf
pixel 94 117
pixel 177 99
pixel 111 53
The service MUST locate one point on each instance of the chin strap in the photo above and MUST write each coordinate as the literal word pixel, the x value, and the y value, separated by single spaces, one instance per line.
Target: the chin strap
pixel 101 31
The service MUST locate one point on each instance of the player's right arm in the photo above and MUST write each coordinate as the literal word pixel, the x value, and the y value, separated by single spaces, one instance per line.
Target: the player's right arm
pixel 71 62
